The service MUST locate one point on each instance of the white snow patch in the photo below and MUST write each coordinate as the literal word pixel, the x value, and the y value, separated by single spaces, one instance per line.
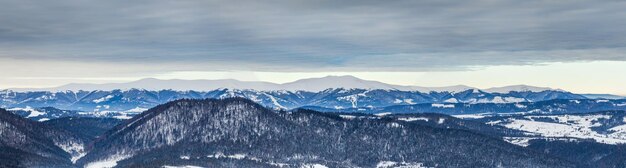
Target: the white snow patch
pixel 33 112
pixel 602 101
pixel 237 156
pixel 234 156
pixel 441 120
pixel 409 119
pixel 519 141
pixel 451 100
pixel 394 125
pixel 136 110
pixel 103 99
pixel 352 99
pixel 382 114
pixel 107 163
pixel 409 101
pixel 520 105
pixel 313 166
pixel 186 166
pixel 385 164
pixel 123 117
pixel 470 116
pixel 494 122
pixel 392 164
pixel 524 141
pixel 347 116
pixel 499 99
pixel 442 105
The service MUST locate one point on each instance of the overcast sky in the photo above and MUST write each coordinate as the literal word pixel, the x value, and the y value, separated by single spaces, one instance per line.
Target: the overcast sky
pixel 47 43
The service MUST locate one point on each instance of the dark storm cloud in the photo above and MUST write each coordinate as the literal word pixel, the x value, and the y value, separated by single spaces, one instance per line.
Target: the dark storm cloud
pixel 315 35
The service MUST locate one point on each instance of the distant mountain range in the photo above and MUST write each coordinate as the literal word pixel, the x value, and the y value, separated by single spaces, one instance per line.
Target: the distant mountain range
pixel 136 100
pixel 311 85
pixel 332 93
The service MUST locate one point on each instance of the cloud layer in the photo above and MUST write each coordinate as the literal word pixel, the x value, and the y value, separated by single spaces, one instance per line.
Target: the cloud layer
pixel 324 35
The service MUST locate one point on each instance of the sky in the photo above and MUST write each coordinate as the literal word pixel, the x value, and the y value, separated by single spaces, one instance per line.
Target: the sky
pixel 578 46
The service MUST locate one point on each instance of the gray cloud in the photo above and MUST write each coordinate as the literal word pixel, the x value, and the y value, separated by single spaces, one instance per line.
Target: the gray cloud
pixel 362 35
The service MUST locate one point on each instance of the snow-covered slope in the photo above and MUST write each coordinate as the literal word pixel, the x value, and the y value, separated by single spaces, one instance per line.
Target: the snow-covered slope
pixel 602 127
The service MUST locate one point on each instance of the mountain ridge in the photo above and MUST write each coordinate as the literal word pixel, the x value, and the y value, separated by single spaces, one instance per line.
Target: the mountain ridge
pixel 136 100
pixel 307 84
